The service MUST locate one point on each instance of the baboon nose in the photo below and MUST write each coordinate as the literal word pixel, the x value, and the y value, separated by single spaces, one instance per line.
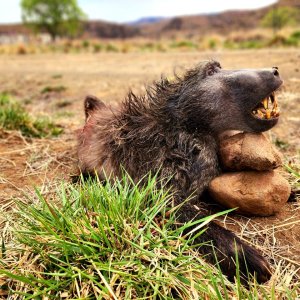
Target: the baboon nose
pixel 275 71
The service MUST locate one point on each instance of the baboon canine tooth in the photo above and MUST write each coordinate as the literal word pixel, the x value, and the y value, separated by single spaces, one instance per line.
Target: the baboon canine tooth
pixel 265 103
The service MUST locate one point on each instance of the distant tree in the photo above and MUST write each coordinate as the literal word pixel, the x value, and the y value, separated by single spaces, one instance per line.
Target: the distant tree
pixel 57 17
pixel 278 17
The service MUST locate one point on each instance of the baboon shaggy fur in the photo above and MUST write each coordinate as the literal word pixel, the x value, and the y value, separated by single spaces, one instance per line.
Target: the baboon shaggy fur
pixel 173 131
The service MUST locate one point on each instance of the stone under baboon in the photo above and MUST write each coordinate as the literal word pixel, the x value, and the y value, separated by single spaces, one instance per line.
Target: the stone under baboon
pixel 173 130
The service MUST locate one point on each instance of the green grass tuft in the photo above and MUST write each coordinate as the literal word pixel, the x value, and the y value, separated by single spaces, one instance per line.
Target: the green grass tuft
pixel 55 89
pixel 183 44
pixel 109 242
pixel 14 117
pixel 63 103
pixel 294 171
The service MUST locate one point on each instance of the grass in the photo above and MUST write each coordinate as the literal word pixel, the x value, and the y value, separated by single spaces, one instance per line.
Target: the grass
pixel 183 44
pixel 53 89
pixel 294 171
pixel 63 103
pixel 14 117
pixel 281 144
pixel 90 241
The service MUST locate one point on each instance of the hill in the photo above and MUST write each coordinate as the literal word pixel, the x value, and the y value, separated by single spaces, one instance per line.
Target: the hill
pixel 219 23
pixel 156 27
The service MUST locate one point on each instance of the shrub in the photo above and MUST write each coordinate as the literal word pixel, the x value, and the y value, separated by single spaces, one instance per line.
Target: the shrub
pixel 56 89
pixel 85 44
pixel 111 48
pixel 293 39
pixel 295 35
pixel 21 49
pixel 212 44
pixel 149 46
pixel 97 48
pixel 278 17
pixel 251 44
pixel 277 40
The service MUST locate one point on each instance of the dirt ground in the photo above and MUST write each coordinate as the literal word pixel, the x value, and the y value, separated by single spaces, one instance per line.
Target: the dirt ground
pixel 25 163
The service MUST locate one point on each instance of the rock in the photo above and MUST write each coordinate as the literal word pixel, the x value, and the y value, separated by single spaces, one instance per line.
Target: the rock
pixel 248 151
pixel 254 193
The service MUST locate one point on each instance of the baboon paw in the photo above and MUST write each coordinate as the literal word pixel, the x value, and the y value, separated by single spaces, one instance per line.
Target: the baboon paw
pixel 253 263
pixel 250 264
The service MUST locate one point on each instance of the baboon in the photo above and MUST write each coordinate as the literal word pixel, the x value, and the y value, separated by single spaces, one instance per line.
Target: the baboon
pixel 173 131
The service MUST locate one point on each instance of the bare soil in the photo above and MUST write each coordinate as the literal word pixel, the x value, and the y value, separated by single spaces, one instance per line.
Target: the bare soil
pixel 25 163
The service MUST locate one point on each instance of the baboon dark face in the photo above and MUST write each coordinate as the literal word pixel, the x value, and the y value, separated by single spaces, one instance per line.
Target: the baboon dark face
pixel 230 99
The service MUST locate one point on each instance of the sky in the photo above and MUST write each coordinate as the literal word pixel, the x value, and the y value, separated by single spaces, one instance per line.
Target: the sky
pixel 130 10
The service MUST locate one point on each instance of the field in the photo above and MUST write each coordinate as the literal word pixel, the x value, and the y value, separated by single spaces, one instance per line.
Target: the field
pixel 54 85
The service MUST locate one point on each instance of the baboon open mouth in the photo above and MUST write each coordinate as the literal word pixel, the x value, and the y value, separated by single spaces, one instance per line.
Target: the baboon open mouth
pixel 267 108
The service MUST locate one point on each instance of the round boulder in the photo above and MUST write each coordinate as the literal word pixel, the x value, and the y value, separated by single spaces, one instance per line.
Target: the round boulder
pixel 252 192
pixel 248 151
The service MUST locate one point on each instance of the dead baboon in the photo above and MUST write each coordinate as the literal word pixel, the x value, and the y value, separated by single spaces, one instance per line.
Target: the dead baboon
pixel 173 130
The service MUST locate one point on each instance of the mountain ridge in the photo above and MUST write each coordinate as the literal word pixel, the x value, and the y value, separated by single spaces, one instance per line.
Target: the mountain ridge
pixel 157 27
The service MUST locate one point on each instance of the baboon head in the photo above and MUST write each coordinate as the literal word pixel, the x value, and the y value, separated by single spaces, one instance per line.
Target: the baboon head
pixel 220 100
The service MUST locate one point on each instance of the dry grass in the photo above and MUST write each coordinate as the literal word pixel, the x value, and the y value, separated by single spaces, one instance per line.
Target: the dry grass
pixel 29 256
pixel 180 42
pixel 43 161
pixel 26 163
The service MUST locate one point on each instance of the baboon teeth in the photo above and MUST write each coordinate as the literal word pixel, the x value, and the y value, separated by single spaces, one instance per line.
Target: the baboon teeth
pixel 267 108
pixel 265 103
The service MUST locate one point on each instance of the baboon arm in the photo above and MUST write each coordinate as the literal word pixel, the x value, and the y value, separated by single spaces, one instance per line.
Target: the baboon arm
pixel 220 245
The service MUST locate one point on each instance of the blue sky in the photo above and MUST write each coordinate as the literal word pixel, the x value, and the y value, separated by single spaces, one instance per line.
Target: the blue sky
pixel 131 10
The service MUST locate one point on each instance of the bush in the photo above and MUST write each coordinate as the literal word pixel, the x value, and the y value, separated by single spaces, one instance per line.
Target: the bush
pixel 97 48
pixel 279 40
pixel 21 49
pixel 295 35
pixel 148 47
pixel 85 44
pixel 251 44
pixel 212 44
pixel 278 17
pixel 111 48
pixel 293 39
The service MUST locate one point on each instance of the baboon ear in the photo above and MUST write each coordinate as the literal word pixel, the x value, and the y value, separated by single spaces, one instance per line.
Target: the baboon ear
pixel 91 104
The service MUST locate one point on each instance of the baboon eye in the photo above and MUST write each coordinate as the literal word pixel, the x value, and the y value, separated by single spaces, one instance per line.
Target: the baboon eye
pixel 211 71
pixel 213 68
